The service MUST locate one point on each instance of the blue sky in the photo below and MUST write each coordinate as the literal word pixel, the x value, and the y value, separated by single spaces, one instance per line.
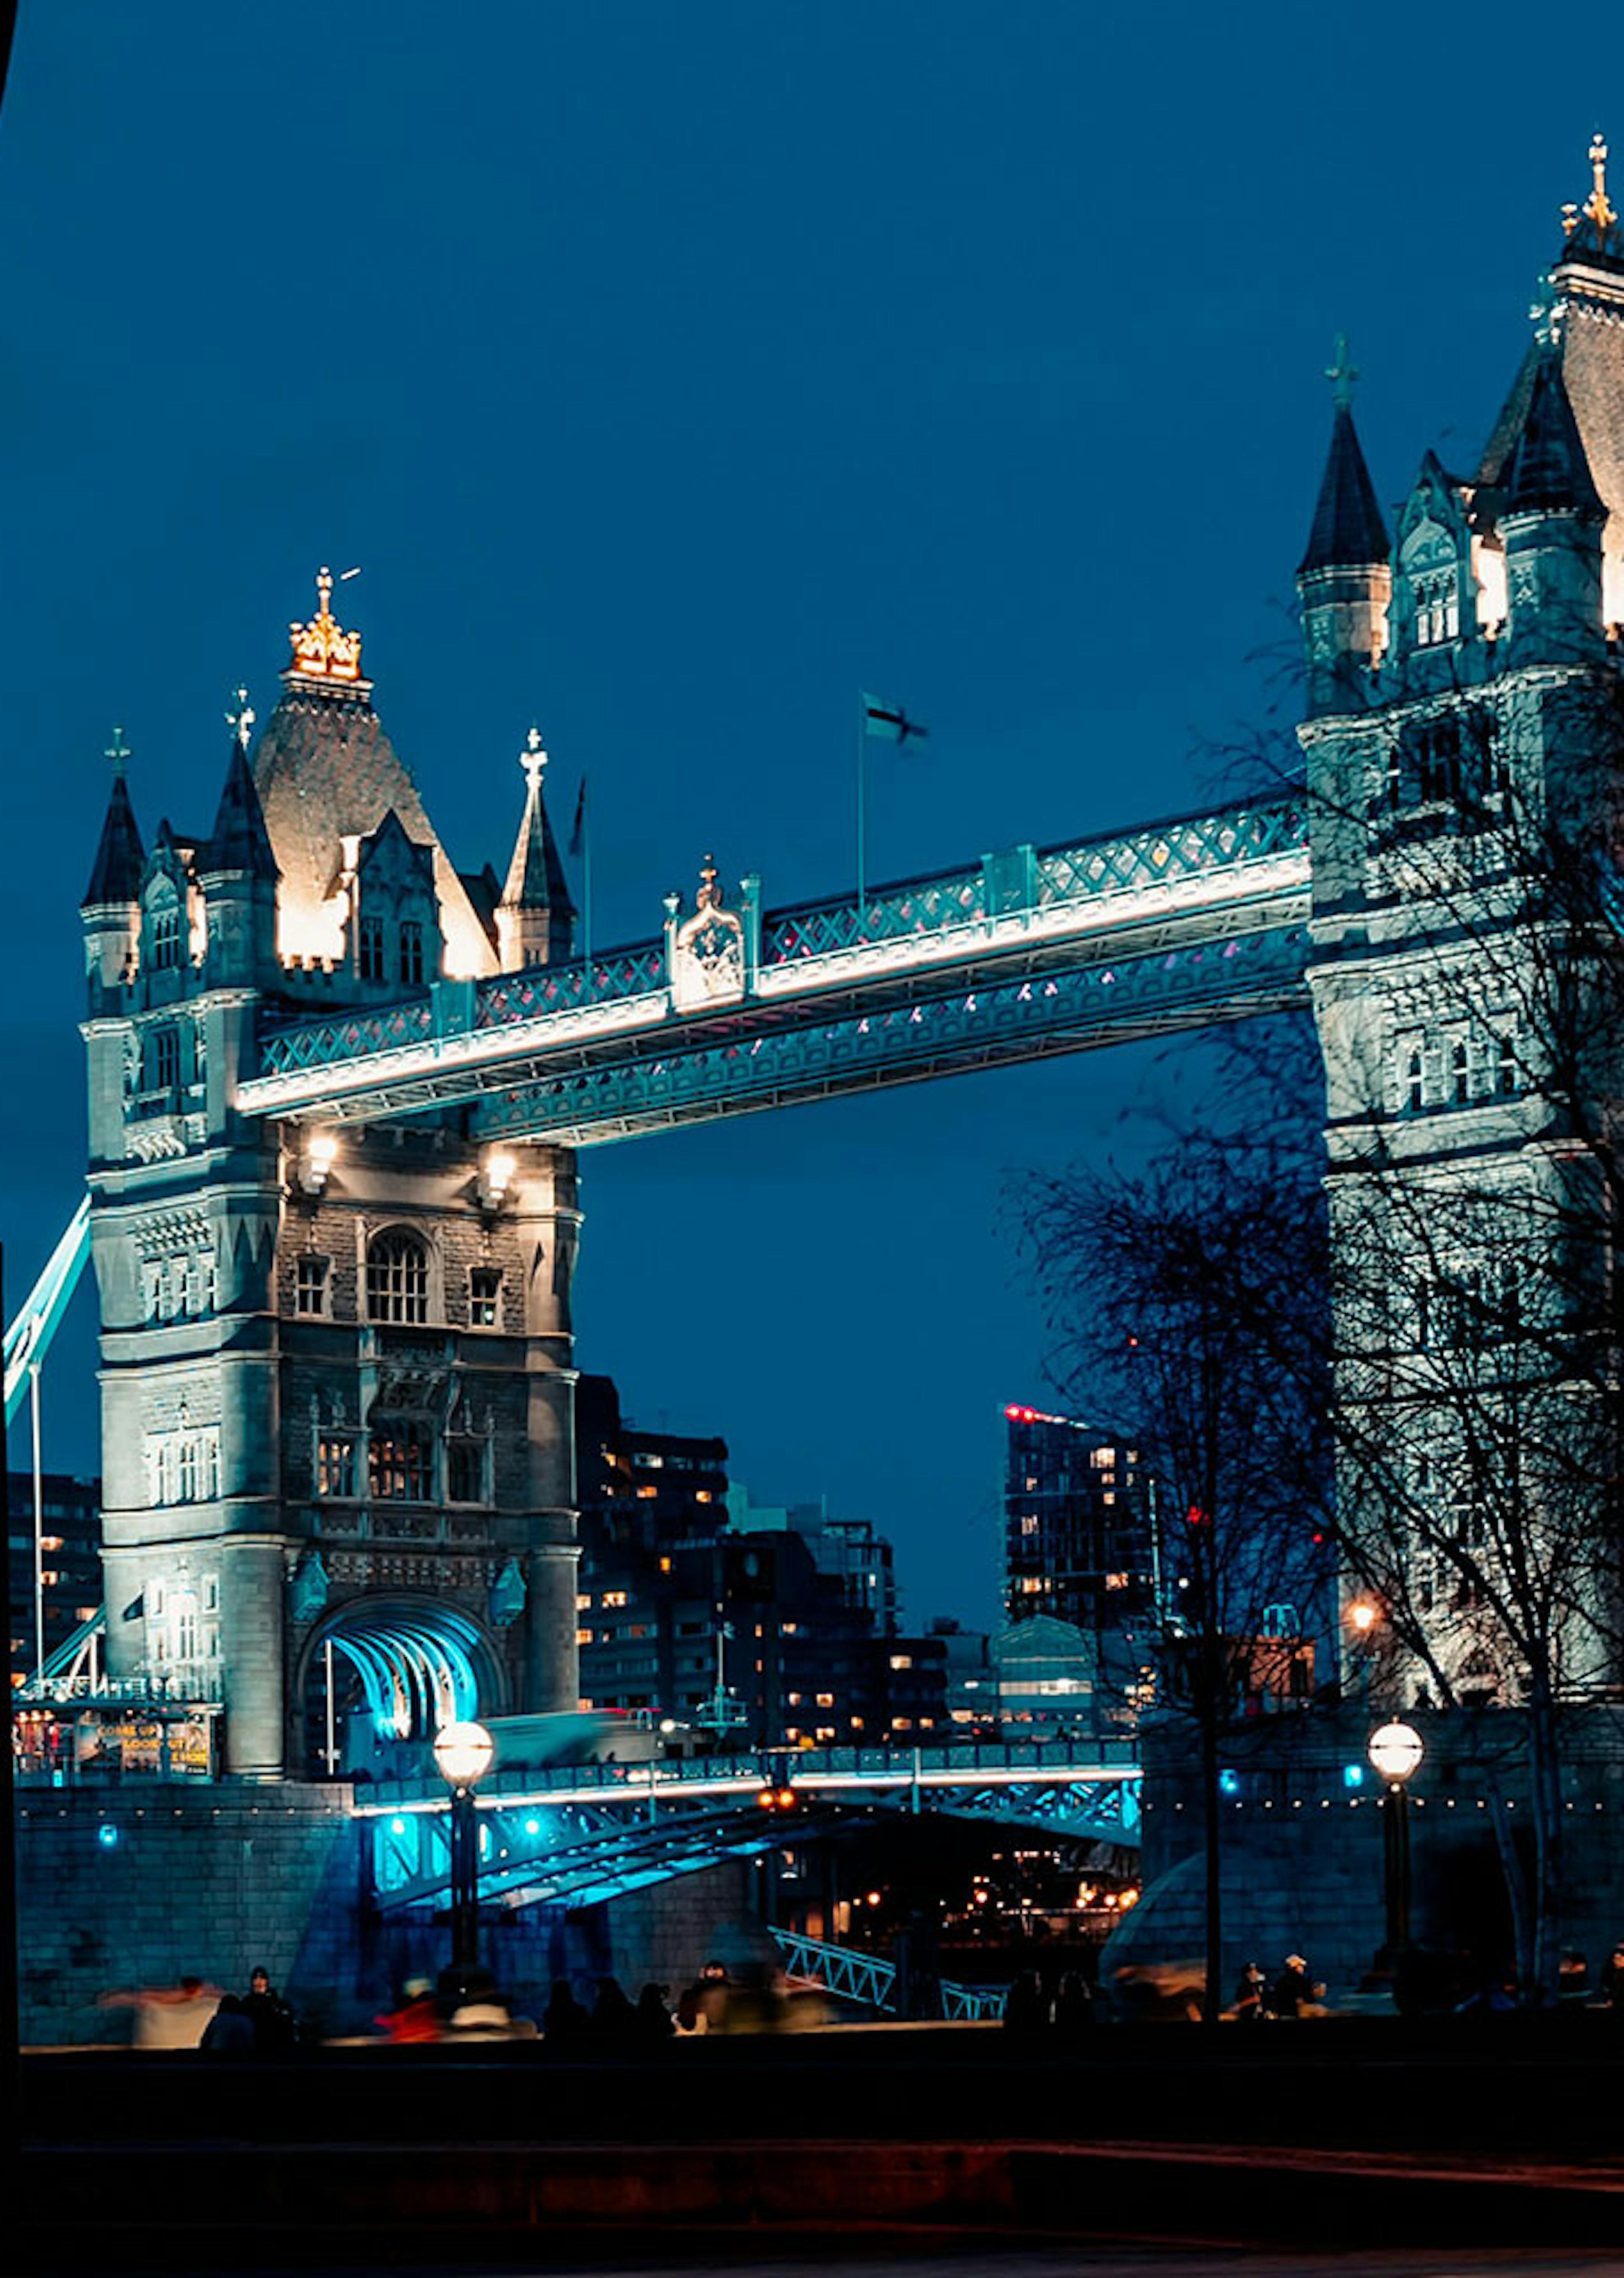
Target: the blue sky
pixel 673 373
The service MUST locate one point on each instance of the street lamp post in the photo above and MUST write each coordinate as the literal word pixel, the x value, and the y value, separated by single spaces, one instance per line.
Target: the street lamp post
pixel 1396 1752
pixel 463 1753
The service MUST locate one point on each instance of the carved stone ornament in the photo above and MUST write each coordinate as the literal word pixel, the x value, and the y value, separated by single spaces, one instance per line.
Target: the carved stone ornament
pixel 307 1595
pixel 707 949
pixel 507 1596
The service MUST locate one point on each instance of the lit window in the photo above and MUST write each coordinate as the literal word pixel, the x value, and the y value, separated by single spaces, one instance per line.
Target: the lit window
pixel 584 1637
pixel 826 1700
pixel 484 1297
pixel 665 1565
pixel 335 1467
pixel 400 1461
pixel 902 1661
pixel 397 1278
pixel 647 1495
pixel 615 1597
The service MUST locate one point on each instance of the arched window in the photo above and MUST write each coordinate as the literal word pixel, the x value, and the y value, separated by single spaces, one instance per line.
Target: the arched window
pixel 400 1461
pixel 397 1278
pixel 163 932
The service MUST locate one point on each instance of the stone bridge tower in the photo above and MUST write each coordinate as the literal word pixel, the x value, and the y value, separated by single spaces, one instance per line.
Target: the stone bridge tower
pixel 1466 764
pixel 337 1389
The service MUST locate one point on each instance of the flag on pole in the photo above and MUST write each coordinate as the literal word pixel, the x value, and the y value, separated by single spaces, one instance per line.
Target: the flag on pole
pixel 889 722
pixel 577 829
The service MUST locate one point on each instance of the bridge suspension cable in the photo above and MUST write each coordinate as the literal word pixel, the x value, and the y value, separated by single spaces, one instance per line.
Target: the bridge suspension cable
pixel 28 1336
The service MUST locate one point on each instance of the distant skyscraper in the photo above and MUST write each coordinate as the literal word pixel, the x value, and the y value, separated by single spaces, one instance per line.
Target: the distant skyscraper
pixel 1078 1549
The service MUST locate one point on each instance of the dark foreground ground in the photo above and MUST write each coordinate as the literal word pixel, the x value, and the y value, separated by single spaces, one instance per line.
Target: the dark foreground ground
pixel 1359 2136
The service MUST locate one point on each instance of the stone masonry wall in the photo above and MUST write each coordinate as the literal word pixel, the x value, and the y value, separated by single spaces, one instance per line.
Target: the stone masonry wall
pixel 1302 1850
pixel 214 1881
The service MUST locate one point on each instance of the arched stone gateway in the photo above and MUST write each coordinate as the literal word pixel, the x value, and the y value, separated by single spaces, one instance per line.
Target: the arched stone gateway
pixel 375 1678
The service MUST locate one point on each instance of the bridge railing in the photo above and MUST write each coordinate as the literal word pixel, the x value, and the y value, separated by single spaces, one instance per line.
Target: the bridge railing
pixel 851 1975
pixel 971 1762
pixel 1036 883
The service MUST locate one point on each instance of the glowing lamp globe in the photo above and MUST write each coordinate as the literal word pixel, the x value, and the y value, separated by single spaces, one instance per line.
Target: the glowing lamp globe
pixel 1396 1751
pixel 464 1753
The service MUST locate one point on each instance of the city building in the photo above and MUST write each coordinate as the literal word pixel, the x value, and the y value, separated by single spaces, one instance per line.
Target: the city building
pixel 769 1625
pixel 1080 1555
pixel 652 1586
pixel 70 1563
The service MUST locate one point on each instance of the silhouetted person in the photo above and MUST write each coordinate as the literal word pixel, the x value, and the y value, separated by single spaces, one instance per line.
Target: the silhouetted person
pixel 229 2032
pixel 1074 2007
pixel 654 2024
pixel 1249 1995
pixel 1611 1980
pixel 1294 1993
pixel 1027 2008
pixel 273 2022
pixel 614 2020
pixel 565 2023
pixel 417 2018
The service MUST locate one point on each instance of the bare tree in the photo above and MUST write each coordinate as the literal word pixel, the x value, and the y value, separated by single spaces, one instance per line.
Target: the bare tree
pixel 1187 1299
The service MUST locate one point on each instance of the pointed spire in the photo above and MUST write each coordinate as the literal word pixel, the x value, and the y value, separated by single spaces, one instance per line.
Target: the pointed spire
pixel 1594 227
pixel 114 875
pixel 535 916
pixel 240 840
pixel 1348 530
pixel 1546 469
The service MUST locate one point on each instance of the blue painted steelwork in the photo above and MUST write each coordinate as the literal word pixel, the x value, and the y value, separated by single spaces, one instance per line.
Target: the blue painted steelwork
pixel 581 1833
pixel 568 1858
pixel 929 1035
pixel 852 1976
pixel 28 1336
pixel 1031 951
pixel 876 1774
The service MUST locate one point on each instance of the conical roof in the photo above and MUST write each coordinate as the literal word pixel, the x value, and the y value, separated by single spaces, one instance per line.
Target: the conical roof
pixel 1544 463
pixel 536 879
pixel 114 875
pixel 325 772
pixel 240 840
pixel 1347 531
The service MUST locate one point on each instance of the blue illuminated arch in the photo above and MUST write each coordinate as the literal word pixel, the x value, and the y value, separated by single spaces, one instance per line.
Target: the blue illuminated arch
pixel 419 1665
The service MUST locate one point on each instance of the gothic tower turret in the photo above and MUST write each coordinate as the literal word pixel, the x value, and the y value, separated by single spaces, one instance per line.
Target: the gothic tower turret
pixel 1551 516
pixel 1343 579
pixel 535 918
pixel 1461 780
pixel 337 1383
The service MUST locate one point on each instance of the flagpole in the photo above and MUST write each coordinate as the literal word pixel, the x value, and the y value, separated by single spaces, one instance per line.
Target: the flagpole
pixel 861 749
pixel 586 894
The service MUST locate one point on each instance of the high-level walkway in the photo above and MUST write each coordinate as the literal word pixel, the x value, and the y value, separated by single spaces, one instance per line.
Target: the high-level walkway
pixel 1023 954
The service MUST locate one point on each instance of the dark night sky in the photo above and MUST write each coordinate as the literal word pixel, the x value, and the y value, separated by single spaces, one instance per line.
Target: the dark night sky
pixel 675 371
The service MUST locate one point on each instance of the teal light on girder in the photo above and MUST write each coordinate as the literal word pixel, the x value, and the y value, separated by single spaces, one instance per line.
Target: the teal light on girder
pixel 417 1670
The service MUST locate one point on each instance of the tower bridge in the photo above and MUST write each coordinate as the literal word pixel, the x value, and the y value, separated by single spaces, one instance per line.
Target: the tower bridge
pixel 584 1833
pixel 337 1086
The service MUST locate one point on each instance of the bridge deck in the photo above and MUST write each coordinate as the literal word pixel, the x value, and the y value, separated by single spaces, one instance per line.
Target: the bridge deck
pixel 1032 951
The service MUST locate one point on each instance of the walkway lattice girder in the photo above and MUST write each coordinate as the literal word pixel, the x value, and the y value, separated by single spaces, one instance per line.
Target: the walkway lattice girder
pixel 1029 953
